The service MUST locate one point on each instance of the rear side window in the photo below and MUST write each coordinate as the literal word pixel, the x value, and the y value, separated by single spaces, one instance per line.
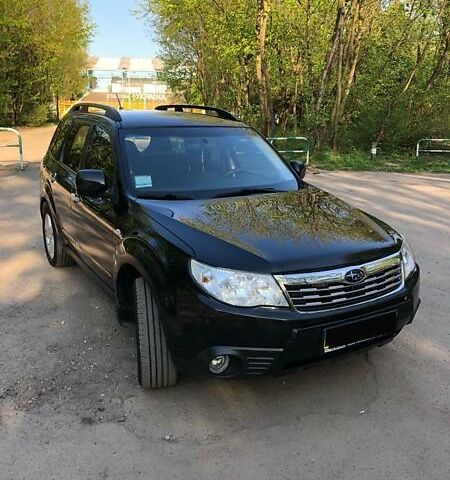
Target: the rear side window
pixel 74 150
pixel 99 153
pixel 58 138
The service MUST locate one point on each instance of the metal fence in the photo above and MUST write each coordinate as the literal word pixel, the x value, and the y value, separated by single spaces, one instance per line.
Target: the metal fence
pixel 304 145
pixel 430 148
pixel 17 145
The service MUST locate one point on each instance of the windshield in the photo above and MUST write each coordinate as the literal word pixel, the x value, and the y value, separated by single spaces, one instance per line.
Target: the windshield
pixel 203 162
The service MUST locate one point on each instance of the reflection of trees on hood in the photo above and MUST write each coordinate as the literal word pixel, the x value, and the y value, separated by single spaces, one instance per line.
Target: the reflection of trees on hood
pixel 293 215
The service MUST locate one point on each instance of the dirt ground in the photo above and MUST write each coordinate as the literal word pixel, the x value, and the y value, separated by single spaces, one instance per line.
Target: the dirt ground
pixel 70 406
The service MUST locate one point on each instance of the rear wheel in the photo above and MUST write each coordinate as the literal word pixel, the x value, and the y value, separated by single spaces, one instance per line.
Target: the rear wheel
pixel 155 365
pixel 54 248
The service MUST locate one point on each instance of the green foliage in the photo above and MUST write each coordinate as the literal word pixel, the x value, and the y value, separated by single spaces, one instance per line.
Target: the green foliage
pixel 42 50
pixel 36 115
pixel 357 160
pixel 343 72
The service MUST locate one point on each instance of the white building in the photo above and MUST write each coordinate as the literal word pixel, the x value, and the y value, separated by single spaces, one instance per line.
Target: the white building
pixel 126 75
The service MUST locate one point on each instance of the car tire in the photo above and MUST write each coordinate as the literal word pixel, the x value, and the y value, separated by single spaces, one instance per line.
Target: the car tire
pixel 155 365
pixel 55 250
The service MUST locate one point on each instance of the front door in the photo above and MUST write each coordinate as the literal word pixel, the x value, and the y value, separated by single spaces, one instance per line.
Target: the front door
pixel 94 227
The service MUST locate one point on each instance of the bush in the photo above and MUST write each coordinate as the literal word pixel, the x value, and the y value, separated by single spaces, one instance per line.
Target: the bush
pixel 36 116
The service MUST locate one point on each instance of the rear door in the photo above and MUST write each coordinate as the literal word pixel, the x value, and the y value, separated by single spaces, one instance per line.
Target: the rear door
pixel 95 222
pixel 62 163
pixel 56 173
pixel 68 166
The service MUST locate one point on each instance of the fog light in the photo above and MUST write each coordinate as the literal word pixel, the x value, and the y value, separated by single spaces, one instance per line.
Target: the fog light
pixel 219 364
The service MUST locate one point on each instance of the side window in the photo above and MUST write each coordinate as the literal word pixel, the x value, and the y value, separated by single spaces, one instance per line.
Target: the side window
pixel 99 153
pixel 58 138
pixel 74 150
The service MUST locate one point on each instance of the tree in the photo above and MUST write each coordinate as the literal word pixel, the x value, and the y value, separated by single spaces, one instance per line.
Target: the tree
pixel 343 72
pixel 262 71
pixel 42 52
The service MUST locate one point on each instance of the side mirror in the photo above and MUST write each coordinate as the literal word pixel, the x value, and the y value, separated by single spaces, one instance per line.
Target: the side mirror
pixel 299 168
pixel 91 183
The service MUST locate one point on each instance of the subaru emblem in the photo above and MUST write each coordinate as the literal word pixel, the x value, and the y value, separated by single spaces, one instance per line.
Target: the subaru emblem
pixel 356 275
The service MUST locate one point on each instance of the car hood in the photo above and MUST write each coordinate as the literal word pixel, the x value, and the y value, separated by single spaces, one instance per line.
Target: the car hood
pixel 290 231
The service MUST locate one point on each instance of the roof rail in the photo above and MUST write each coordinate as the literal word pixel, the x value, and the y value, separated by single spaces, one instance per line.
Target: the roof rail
pixel 110 112
pixel 181 108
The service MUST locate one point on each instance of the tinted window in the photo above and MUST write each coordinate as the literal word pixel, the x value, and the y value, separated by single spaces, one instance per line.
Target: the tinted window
pixel 202 162
pixel 74 151
pixel 99 153
pixel 58 138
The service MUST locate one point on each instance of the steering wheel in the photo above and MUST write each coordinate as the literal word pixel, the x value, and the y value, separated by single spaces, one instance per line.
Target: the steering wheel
pixel 237 170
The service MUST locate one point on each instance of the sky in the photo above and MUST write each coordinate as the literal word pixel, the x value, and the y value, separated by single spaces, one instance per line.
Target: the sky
pixel 118 33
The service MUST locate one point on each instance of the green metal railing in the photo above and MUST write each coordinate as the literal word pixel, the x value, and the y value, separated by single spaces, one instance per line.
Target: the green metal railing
pixel 14 145
pixel 303 140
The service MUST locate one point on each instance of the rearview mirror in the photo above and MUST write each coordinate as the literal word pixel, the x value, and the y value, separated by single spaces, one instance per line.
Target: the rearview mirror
pixel 299 168
pixel 91 183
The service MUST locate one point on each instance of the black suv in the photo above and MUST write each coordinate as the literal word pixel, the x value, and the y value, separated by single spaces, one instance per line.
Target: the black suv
pixel 228 262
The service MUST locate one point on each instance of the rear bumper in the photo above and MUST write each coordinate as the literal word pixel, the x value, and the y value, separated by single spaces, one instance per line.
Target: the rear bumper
pixel 269 340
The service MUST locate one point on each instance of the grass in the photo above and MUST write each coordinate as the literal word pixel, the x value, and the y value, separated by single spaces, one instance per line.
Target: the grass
pixel 406 163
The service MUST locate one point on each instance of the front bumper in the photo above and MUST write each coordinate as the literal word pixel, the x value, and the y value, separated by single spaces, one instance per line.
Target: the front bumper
pixel 262 340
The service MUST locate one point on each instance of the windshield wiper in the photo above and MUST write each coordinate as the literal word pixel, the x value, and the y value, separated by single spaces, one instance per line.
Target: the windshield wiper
pixel 163 196
pixel 248 191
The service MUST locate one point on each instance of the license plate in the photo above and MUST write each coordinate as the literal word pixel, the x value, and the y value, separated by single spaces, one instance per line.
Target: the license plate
pixel 344 336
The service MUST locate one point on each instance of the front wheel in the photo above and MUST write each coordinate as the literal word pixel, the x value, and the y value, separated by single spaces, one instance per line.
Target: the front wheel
pixel 54 248
pixel 155 365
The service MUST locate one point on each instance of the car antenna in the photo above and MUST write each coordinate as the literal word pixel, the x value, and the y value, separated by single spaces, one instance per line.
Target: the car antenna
pixel 119 102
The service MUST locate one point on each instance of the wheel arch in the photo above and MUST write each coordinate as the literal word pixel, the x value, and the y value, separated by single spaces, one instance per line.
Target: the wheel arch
pixel 137 260
pixel 47 199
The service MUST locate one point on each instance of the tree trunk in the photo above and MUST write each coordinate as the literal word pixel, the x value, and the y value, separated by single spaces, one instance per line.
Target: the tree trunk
pixel 327 70
pixel 331 52
pixel 357 24
pixel 442 60
pixel 262 71
pixel 57 108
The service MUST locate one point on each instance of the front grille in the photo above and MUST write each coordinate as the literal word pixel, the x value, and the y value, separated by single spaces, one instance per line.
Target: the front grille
pixel 327 290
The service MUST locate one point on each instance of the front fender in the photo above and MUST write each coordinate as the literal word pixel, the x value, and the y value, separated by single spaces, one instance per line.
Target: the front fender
pixel 158 262
pixel 137 253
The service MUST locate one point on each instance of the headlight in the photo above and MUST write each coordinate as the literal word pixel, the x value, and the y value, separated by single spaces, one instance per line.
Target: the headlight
pixel 238 288
pixel 409 264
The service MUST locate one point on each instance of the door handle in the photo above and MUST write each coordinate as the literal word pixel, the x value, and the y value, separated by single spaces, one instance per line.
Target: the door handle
pixel 75 198
pixel 53 177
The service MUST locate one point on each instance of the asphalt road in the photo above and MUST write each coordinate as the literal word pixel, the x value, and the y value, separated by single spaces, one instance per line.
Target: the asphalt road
pixel 70 406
